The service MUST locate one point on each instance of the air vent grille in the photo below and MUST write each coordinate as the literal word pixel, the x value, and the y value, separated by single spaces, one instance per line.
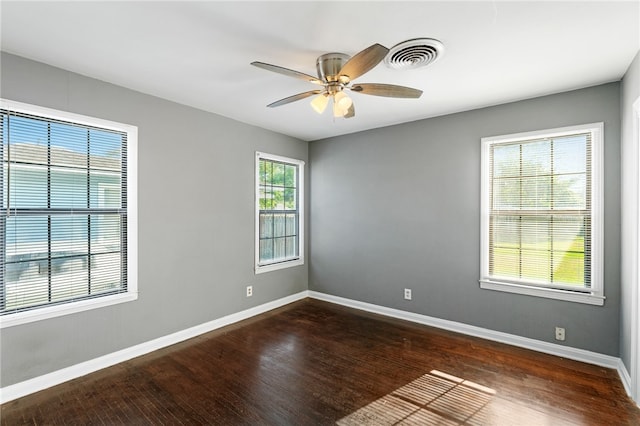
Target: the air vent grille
pixel 415 53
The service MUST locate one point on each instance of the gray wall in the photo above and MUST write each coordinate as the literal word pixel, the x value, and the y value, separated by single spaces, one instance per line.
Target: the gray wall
pixel 400 207
pixel 390 208
pixel 630 91
pixel 196 222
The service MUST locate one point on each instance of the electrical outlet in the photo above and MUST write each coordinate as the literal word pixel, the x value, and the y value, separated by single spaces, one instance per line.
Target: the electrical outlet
pixel 249 290
pixel 407 294
pixel 560 334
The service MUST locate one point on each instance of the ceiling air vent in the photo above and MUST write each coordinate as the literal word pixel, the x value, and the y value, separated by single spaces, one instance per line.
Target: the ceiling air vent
pixel 414 53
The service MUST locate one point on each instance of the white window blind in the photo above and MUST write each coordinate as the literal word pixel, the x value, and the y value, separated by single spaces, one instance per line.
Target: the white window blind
pixel 63 219
pixel 279 207
pixel 541 212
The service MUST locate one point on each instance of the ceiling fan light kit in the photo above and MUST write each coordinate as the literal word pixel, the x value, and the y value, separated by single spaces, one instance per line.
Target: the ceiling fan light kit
pixel 336 72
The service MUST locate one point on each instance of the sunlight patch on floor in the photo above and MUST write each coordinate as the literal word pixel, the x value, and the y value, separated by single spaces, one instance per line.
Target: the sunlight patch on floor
pixel 438 398
pixel 435 398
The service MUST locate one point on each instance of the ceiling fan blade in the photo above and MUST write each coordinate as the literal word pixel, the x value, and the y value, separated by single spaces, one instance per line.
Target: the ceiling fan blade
pixel 386 90
pixel 294 98
pixel 350 112
pixel 287 72
pixel 363 61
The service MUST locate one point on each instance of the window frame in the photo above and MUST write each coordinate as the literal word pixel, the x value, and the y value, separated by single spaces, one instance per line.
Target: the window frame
pixel 66 308
pixel 299 260
pixel 595 294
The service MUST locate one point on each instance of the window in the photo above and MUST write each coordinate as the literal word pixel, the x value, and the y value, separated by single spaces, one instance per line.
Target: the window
pixel 542 213
pixel 68 213
pixel 279 212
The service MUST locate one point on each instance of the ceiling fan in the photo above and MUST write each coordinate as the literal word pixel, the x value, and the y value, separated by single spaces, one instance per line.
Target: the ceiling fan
pixel 336 72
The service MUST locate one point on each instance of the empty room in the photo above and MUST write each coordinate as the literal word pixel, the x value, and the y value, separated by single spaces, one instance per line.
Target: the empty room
pixel 320 212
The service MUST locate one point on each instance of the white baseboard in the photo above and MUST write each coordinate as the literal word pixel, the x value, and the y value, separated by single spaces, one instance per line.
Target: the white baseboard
pixel 39 383
pixel 45 381
pixel 510 339
pixel 625 377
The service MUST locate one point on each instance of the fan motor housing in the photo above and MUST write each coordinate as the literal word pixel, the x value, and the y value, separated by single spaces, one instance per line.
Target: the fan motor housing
pixel 329 65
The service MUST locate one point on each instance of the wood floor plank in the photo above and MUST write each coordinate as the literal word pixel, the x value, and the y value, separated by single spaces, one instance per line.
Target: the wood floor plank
pixel 315 363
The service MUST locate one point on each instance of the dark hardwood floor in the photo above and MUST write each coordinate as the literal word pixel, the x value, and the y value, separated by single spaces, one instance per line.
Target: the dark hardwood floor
pixel 314 363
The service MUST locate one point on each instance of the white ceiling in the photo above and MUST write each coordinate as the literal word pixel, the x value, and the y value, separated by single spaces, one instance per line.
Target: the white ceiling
pixel 198 53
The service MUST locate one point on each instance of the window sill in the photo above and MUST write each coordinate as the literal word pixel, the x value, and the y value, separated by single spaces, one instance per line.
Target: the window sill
pixel 281 265
pixel 25 317
pixel 549 293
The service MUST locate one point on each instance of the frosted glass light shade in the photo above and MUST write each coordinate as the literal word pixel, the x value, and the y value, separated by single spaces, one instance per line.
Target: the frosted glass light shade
pixel 319 103
pixel 343 101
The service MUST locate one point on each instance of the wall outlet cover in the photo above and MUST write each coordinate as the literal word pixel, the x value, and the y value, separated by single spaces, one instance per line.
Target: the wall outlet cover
pixel 407 294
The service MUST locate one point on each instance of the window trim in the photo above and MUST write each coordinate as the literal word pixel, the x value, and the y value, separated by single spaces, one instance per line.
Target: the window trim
pixel 259 269
pixel 53 311
pixel 594 295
